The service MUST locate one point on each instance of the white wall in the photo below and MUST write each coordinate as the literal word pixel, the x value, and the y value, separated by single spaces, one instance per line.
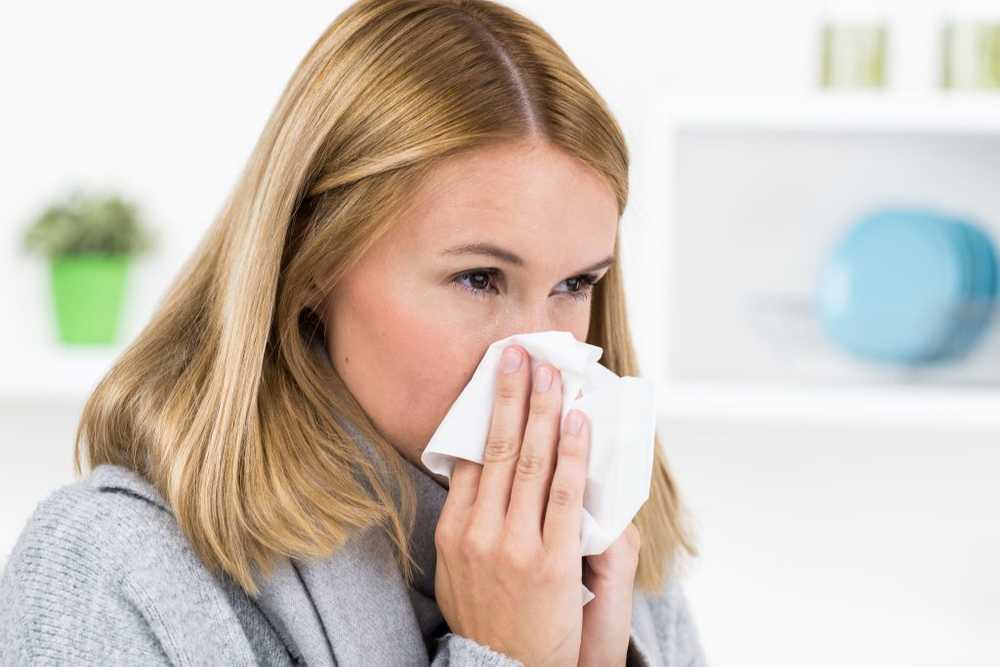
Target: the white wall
pixel 840 546
pixel 821 546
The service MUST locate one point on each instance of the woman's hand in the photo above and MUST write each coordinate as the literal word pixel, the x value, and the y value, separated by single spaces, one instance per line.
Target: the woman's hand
pixel 508 538
pixel 607 619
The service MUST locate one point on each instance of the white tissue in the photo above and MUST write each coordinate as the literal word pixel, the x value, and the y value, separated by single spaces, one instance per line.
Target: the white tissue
pixel 622 418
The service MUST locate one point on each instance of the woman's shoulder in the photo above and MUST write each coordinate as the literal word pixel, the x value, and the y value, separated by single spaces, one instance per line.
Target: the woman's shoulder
pixel 102 569
pixel 94 522
pixel 93 528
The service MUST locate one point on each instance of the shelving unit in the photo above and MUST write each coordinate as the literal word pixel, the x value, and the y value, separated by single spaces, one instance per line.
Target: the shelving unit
pixel 743 196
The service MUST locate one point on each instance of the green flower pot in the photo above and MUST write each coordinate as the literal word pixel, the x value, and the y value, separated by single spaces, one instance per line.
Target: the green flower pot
pixel 87 290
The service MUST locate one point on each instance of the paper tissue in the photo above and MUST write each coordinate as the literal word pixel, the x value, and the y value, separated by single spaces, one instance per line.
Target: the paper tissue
pixel 622 418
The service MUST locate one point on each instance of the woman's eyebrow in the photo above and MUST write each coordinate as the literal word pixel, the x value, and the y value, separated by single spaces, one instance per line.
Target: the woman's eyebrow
pixel 490 250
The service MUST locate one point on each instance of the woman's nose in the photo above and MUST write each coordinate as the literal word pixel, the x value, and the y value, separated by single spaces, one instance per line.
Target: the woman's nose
pixel 531 321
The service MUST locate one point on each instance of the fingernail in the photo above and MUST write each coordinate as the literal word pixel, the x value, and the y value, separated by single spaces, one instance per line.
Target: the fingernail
pixel 511 360
pixel 575 421
pixel 543 379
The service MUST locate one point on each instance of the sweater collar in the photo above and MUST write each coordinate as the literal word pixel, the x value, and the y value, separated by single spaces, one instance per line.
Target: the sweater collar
pixel 342 608
pixel 430 498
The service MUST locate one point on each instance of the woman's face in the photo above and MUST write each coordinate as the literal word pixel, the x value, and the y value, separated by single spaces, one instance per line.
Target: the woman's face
pixel 498 242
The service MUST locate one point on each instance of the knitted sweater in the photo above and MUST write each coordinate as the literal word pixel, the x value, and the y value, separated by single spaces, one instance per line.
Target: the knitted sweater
pixel 101 574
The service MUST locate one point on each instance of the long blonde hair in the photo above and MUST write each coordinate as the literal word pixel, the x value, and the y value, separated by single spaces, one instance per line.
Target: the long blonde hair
pixel 222 401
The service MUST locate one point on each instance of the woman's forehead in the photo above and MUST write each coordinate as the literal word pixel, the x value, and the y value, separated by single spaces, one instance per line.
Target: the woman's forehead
pixel 514 195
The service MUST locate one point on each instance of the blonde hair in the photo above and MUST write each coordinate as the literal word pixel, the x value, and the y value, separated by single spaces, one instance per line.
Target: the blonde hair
pixel 224 403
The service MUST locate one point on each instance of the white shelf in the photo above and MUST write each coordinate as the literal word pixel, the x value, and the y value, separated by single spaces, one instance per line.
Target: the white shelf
pixel 943 112
pixel 869 405
pixel 56 375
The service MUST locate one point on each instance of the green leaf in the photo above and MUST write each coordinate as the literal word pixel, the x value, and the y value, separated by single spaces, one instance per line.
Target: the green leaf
pixel 82 223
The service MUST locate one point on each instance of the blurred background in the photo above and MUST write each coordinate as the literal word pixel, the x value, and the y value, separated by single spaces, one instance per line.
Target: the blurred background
pixel 810 257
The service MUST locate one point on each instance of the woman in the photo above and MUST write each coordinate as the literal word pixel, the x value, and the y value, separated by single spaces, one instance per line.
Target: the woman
pixel 437 175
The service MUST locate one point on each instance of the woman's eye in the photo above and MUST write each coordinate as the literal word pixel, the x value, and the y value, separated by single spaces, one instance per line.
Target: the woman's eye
pixel 479 282
pixel 584 286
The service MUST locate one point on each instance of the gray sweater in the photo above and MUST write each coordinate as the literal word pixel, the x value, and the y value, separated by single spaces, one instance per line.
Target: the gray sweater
pixel 101 574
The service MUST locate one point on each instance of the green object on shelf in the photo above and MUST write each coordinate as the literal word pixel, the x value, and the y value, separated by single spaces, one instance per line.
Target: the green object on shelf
pixel 89 239
pixel 88 290
pixel 970 54
pixel 853 55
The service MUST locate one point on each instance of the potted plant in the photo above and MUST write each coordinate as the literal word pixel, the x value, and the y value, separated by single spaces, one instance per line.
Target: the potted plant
pixel 89 240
